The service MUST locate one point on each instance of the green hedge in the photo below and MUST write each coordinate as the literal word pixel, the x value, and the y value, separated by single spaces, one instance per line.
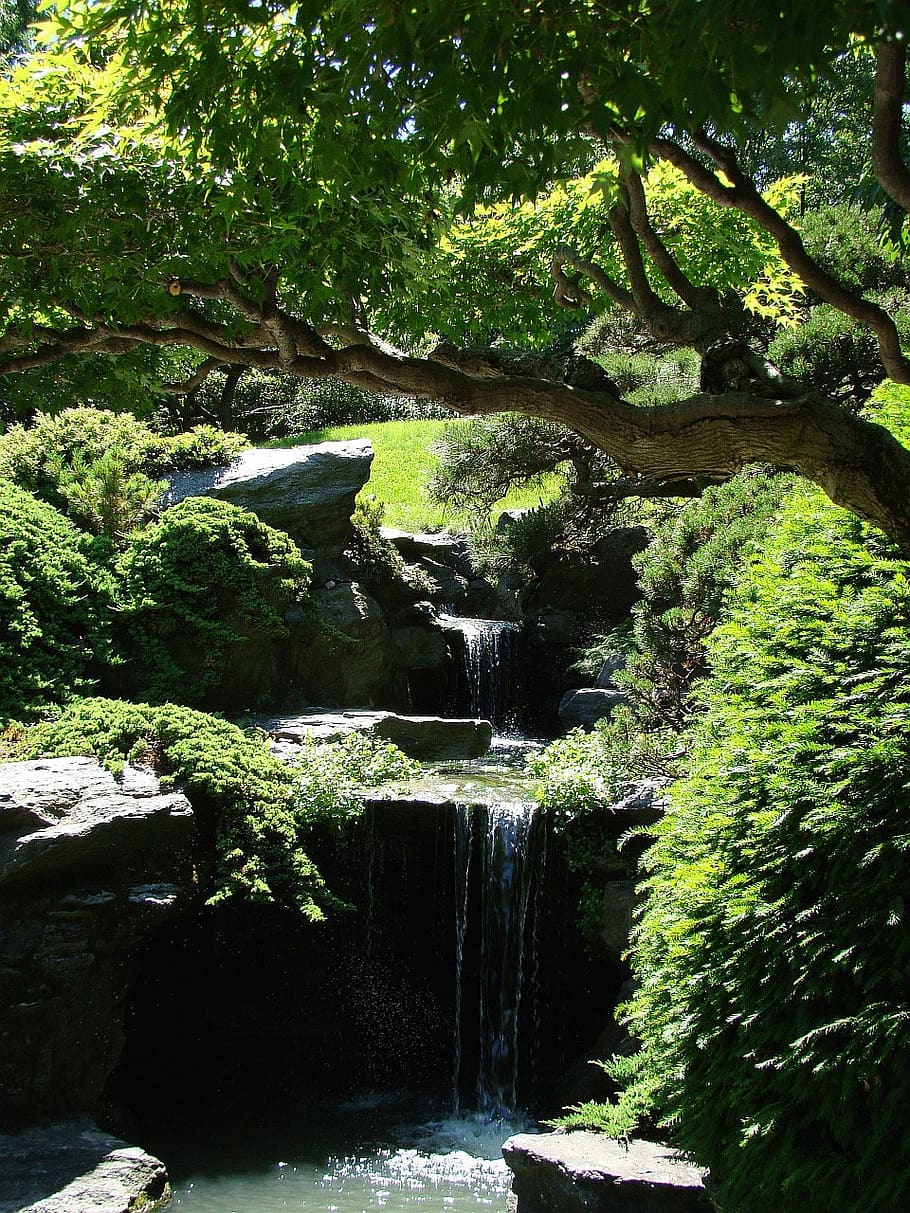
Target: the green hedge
pixel 205 587
pixel 774 955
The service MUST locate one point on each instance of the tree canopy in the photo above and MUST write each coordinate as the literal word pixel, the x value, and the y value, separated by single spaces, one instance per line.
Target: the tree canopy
pixel 426 201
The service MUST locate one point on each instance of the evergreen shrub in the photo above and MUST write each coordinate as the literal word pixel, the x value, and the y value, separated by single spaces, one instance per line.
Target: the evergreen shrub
pixel 198 588
pixel 55 607
pixel 773 956
pixel 38 457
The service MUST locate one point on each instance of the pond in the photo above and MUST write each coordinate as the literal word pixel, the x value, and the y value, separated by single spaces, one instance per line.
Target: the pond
pixel 385 1153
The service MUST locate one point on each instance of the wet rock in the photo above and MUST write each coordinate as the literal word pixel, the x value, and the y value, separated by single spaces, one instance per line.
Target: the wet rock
pixel 308 491
pixel 340 649
pixel 588 705
pixel 448 549
pixel 590 1173
pixel 611 666
pixel 72 1167
pixel 617 909
pixel 428 738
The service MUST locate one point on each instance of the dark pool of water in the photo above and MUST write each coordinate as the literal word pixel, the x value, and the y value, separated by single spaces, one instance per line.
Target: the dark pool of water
pixel 390 1153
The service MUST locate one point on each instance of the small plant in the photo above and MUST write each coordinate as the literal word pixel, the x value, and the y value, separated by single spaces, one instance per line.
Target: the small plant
pixel 103 496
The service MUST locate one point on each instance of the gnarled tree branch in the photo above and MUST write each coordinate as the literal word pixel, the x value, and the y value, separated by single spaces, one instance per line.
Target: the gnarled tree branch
pixel 743 194
pixel 887 121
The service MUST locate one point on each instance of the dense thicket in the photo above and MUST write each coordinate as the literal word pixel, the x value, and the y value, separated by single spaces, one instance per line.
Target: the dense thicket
pixel 772 956
pixel 198 588
pixel 55 606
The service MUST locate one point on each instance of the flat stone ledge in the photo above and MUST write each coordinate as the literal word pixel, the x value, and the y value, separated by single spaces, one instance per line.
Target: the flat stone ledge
pixel 590 1173
pixel 427 738
pixel 72 1167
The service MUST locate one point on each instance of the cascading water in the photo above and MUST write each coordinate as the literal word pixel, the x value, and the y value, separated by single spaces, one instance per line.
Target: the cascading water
pixel 488 674
pixel 508 847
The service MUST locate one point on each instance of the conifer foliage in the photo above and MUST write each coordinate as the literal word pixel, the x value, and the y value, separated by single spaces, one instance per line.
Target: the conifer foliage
pixel 773 953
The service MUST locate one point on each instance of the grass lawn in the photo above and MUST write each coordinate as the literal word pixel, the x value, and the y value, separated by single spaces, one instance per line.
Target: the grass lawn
pixel 405 461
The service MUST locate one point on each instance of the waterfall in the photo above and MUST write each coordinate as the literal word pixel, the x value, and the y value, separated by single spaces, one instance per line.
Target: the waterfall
pixel 503 937
pixel 489 670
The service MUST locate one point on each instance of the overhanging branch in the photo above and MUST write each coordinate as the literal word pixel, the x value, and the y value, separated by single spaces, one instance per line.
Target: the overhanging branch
pixel 887 121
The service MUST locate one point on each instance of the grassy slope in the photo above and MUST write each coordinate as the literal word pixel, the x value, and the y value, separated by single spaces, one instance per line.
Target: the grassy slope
pixel 405 461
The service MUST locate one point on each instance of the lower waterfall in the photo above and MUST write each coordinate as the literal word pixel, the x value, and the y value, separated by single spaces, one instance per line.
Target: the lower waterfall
pixel 506 839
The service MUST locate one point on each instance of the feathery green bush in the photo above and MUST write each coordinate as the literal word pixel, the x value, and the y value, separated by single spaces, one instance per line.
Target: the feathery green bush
pixel 199 587
pixel 773 956
pixel 55 607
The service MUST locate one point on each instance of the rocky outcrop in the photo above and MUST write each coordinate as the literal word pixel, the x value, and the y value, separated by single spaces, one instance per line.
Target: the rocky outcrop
pixel 73 1167
pixel 90 866
pixel 588 705
pixel 590 1173
pixel 428 738
pixel 308 491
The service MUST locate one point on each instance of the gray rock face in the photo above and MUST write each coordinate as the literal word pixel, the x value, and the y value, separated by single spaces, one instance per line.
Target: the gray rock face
pixel 428 738
pixel 340 650
pixel 77 816
pixel 590 1173
pixel 89 867
pixel 588 705
pixel 307 491
pixel 611 666
pixel 73 1167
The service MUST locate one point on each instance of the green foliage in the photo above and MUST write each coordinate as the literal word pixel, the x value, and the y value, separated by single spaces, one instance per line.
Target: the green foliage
pixel 198 587
pixel 255 809
pixel 55 604
pixel 646 378
pixel 683 576
pixel 243 796
pixel 102 496
pixel 890 406
pixel 333 775
pixel 483 460
pixel 66 459
pixel 835 353
pixel 625 1117
pixel 583 773
pixel 773 954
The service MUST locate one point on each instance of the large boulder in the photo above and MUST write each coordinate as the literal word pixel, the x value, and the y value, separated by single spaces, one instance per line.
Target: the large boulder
pixel 90 867
pixel 588 705
pixel 307 491
pixel 59 816
pixel 590 1173
pixel 428 738
pixel 340 649
pixel 72 1167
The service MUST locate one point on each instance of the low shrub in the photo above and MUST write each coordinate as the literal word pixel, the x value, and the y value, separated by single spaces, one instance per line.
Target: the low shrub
pixel 199 588
pixel 55 607
pixel 255 810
